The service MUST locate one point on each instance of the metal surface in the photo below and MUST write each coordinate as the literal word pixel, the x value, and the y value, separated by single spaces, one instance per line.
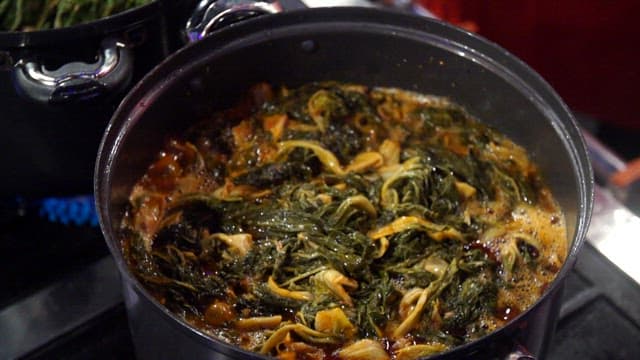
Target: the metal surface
pixel 614 228
pixel 59 308
pixel 107 61
pixel 77 80
pixel 615 232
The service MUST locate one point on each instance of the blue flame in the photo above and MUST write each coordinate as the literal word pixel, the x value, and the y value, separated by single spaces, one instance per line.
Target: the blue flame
pixel 79 210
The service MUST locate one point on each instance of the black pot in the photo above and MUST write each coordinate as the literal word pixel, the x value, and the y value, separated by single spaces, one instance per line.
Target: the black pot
pixel 58 89
pixel 364 46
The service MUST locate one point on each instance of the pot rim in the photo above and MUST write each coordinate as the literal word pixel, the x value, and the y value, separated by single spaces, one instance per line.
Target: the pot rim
pixel 106 25
pixel 193 57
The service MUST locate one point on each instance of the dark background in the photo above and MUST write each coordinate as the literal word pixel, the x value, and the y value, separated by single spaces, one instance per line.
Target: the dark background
pixel 587 50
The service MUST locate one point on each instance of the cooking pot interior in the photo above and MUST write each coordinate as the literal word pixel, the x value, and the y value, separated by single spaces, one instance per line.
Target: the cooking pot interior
pixel 375 55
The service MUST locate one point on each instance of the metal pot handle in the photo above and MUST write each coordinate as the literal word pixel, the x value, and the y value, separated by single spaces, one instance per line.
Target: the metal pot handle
pixel 210 15
pixel 77 81
pixel 520 353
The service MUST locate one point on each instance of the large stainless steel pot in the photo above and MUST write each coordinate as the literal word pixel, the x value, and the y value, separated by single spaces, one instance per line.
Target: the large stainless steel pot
pixel 356 45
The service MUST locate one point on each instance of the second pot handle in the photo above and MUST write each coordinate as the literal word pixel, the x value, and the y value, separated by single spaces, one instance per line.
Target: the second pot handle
pixel 520 353
pixel 77 81
pixel 210 15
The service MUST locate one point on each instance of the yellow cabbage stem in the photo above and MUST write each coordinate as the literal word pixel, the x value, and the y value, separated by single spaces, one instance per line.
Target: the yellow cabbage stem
pixel 340 186
pixel 509 254
pixel 467 191
pixel 503 239
pixel 365 349
pixel 425 296
pixel 399 172
pixel 325 156
pixel 334 322
pixel 316 106
pixel 435 265
pixel 359 202
pixel 295 295
pixel 335 282
pixel 300 126
pixel 304 332
pixel 390 151
pixel 387 171
pixel 412 318
pixel 313 336
pixel 384 245
pixel 365 161
pixel 239 244
pixel 259 322
pixel 413 352
pixel 408 301
pixel 404 223
pixel 324 198
pixel 276 338
pixel 232 192
pixel 305 275
pixel 436 319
